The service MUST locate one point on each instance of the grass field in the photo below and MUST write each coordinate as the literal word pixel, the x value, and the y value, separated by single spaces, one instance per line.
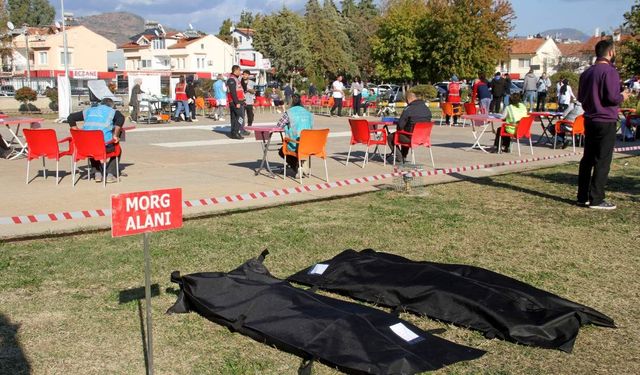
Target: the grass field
pixel 68 306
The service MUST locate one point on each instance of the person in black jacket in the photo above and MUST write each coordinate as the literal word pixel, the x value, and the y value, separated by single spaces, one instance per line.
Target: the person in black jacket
pixel 498 89
pixel 416 111
pixel 191 95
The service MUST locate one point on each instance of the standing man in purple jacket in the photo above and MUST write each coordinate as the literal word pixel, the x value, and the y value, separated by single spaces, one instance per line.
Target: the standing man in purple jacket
pixel 600 95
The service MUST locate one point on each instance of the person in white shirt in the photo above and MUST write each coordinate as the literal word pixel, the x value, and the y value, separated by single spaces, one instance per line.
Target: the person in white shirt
pixel 337 92
pixel 565 95
pixel 543 85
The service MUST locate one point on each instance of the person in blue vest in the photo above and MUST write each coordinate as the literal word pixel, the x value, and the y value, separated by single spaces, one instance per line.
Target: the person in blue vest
pixel 220 94
pixel 295 120
pixel 106 118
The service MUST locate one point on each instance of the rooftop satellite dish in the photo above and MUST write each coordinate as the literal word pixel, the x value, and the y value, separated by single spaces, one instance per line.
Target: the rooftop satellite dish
pixel 57 25
pixel 190 27
pixel 156 32
pixel 10 25
pixel 161 30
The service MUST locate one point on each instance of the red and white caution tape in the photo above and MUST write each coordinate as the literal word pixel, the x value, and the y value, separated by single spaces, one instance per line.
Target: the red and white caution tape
pixel 61 216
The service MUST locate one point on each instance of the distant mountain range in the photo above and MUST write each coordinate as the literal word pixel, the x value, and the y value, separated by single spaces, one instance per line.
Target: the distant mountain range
pixel 566 33
pixel 117 26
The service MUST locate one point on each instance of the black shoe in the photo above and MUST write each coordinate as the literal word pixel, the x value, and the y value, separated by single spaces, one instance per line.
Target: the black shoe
pixel 245 133
pixel 239 136
pixel 582 204
pixel 603 206
pixel 565 144
pixel 177 119
pixel 189 120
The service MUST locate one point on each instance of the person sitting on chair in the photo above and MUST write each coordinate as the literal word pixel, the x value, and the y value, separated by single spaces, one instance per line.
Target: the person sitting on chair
pixel 107 119
pixel 294 121
pixel 416 111
pixel 570 114
pixel 512 114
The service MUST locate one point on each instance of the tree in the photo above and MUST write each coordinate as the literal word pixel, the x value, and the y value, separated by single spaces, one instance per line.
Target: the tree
pixel 246 20
pixel 31 12
pixel 395 46
pixel 630 49
pixel 225 31
pixel 5 40
pixel 360 22
pixel 26 95
pixel 329 46
pixel 282 37
pixel 464 37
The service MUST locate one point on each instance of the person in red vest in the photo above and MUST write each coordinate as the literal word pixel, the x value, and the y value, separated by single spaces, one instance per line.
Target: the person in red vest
pixel 182 105
pixel 236 100
pixel 453 96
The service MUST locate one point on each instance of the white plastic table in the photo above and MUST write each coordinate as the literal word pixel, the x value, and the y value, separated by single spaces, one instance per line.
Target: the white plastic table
pixel 486 120
pixel 18 121
pixel 264 134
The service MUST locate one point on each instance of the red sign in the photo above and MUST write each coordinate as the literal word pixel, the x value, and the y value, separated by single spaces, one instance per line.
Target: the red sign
pixel 145 211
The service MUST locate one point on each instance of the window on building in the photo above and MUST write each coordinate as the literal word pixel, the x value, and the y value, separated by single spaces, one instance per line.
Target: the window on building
pixel 69 58
pixel 524 63
pixel 240 39
pixel 159 44
pixel 202 46
pixel 146 63
pixel 200 62
pixel 42 58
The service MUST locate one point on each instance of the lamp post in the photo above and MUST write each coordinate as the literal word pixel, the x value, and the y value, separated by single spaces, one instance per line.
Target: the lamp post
pixel 64 40
pixel 25 28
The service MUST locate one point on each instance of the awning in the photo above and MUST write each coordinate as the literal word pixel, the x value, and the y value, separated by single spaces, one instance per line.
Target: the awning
pixel 245 62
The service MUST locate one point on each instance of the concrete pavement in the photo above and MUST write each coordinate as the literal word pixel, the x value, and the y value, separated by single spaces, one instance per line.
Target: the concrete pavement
pixel 204 162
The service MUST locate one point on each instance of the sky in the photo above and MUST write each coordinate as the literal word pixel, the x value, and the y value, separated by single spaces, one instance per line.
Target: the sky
pixel 533 16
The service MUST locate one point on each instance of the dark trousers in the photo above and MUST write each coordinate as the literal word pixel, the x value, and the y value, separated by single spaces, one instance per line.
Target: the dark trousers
pixel 249 110
pixel 135 111
pixel 237 119
pixel 541 104
pixel 337 103
pixel 192 109
pixel 562 107
pixel 599 139
pixel 506 141
pixel 111 164
pixel 404 151
pixel 291 160
pixel 356 104
pixel 495 104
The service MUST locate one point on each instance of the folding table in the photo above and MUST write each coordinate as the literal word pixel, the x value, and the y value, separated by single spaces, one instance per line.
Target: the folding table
pixel 18 121
pixel 264 134
pixel 385 122
pixel 550 117
pixel 486 121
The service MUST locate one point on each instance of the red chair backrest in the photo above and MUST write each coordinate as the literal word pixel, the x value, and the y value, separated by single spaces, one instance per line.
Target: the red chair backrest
pixel 88 144
pixel 359 131
pixel 421 135
pixel 470 108
pixel 42 142
pixel 578 125
pixel 447 109
pixel 524 127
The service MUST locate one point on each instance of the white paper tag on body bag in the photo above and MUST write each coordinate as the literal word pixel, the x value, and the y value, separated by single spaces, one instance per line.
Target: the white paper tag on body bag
pixel 318 269
pixel 405 333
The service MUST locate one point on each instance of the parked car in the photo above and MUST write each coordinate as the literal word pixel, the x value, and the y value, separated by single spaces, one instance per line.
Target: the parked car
pixel 390 93
pixel 7 90
pixel 79 91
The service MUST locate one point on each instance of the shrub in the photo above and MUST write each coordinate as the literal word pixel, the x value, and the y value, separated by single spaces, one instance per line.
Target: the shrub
pixel 552 95
pixel 28 107
pixel 52 94
pixel 426 92
pixel 26 94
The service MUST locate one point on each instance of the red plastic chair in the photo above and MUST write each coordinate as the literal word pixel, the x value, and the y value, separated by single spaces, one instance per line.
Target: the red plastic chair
pixel 91 144
pixel 469 109
pixel 361 133
pixel 523 130
pixel 421 136
pixel 577 129
pixel 45 144
pixel 447 110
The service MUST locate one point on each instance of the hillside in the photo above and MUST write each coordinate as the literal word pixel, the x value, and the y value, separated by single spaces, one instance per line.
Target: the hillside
pixel 566 34
pixel 115 26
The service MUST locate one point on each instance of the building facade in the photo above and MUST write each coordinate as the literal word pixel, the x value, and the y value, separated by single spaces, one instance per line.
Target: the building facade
pixel 539 54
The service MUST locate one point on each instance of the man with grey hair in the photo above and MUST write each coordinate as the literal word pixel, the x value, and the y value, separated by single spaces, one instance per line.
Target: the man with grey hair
pixel 134 101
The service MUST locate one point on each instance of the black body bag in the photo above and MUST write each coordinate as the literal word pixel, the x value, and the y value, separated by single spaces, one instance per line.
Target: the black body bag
pixel 472 297
pixel 352 337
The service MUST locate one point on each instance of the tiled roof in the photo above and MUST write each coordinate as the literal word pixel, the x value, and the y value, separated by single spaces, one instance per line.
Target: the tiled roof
pixel 245 31
pixel 525 46
pixel 571 49
pixel 132 45
pixel 184 42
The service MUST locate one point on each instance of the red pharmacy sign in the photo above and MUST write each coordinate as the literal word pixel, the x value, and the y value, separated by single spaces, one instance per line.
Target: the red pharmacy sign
pixel 145 211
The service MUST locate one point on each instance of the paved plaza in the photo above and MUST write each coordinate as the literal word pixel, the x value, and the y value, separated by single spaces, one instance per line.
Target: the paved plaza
pixel 200 158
